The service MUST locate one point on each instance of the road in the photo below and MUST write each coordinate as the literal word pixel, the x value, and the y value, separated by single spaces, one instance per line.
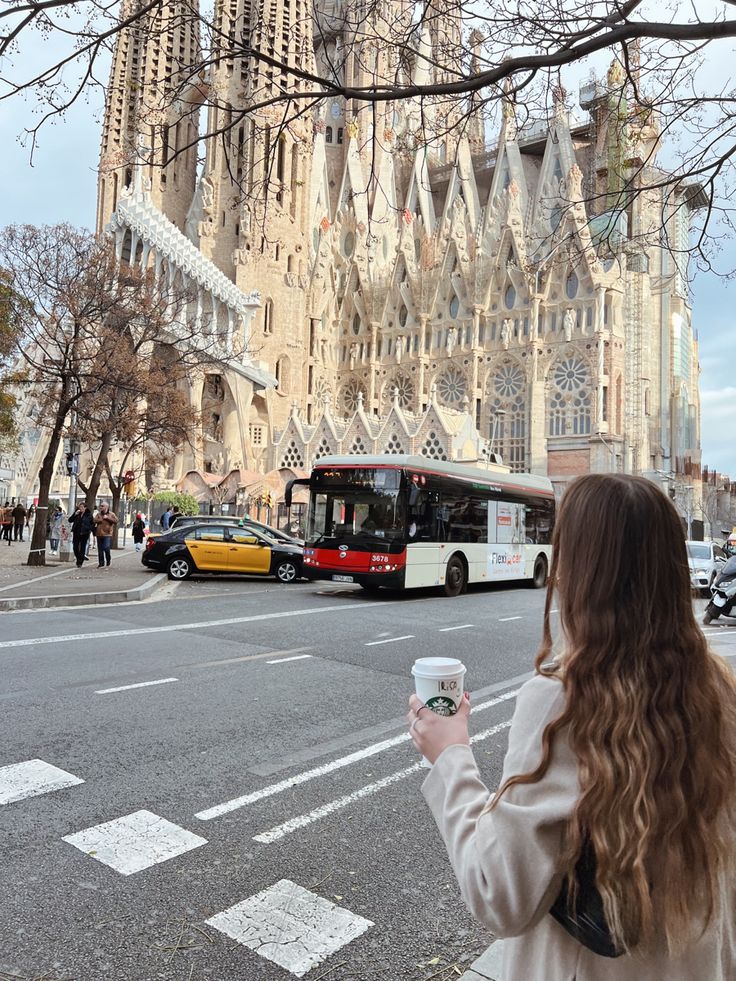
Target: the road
pixel 251 737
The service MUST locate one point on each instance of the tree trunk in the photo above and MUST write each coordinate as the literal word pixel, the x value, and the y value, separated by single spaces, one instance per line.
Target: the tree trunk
pixel 37 554
pixel 90 491
pixel 116 493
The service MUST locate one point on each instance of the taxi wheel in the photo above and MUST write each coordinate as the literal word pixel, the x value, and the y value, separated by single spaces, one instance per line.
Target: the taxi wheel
pixel 286 571
pixel 180 568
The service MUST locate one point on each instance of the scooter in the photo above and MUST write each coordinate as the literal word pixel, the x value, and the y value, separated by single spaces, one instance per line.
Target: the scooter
pixel 723 593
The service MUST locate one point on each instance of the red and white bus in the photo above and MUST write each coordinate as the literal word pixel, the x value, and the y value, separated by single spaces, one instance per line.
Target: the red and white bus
pixel 407 521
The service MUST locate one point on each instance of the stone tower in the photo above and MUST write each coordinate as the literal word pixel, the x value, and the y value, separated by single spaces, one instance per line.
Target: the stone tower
pixel 151 110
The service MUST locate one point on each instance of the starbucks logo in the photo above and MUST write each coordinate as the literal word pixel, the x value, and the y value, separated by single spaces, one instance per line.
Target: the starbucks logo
pixel 442 705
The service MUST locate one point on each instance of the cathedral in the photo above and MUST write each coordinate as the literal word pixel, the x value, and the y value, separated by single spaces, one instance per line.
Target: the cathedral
pixel 402 279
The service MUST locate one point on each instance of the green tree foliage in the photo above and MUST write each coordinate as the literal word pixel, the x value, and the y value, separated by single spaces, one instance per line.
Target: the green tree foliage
pixel 185 502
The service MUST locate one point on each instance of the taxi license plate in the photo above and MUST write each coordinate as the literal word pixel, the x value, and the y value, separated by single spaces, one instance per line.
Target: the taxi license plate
pixel 343 579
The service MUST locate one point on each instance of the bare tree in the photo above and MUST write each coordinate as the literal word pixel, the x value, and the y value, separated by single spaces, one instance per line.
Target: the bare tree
pixel 404 74
pixel 100 342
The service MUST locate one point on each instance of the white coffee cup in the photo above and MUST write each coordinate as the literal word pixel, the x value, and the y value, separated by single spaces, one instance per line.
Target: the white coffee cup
pixel 439 684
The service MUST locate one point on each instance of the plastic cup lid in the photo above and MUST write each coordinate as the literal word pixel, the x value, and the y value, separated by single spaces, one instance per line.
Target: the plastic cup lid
pixel 437 667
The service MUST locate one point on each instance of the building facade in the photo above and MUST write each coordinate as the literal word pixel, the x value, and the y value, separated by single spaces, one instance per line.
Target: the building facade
pixel 402 266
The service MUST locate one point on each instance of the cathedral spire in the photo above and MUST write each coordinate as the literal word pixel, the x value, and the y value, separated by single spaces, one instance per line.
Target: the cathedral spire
pixel 151 109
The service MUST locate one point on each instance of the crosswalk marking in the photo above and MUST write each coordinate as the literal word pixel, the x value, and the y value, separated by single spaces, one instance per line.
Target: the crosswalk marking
pixel 290 926
pixel 18 781
pixel 134 842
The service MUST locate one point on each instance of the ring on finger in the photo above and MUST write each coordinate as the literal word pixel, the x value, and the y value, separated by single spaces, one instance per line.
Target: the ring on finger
pixel 413 723
pixel 420 709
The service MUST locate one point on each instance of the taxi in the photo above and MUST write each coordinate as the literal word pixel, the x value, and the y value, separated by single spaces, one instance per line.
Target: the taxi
pixel 210 547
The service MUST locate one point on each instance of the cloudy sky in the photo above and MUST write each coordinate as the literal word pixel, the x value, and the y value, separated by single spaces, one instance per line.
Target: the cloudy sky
pixel 61 186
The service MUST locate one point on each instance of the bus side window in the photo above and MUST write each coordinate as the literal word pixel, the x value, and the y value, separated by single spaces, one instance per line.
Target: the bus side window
pixel 539 523
pixel 421 515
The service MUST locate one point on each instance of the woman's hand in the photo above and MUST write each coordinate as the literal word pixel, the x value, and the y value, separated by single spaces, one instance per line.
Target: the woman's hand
pixel 432 733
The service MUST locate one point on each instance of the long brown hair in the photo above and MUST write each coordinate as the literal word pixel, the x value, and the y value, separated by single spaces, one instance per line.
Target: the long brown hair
pixel 650 714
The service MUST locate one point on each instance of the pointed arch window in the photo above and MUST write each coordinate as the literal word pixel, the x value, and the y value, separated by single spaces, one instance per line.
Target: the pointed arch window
pixel 571 285
pixel 328 135
pixel 570 404
pixel 268 318
pixel 509 297
pixel 507 414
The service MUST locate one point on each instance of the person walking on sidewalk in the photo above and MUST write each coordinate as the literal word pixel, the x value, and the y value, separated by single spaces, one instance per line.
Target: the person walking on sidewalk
pixel 55 524
pixel 82 527
pixel 6 523
pixel 19 520
pixel 609 851
pixel 139 531
pixel 105 522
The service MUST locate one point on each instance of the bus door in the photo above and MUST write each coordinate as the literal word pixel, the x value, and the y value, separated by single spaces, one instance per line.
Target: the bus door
pixel 423 553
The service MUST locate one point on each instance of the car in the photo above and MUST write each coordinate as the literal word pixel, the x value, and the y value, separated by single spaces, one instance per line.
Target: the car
pixel 245 522
pixel 706 560
pixel 222 547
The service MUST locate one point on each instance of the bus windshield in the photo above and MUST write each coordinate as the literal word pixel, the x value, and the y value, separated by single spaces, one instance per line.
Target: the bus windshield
pixel 357 504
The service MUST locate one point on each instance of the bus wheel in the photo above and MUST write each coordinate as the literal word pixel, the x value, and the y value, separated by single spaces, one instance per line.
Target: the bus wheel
pixel 456 579
pixel 539 579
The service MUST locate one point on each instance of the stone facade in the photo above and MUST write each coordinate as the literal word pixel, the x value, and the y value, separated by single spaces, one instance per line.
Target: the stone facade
pixel 406 270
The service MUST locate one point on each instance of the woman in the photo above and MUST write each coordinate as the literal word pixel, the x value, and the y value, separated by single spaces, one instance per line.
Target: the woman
pixel 619 784
pixel 139 531
pixel 55 524
pixel 105 522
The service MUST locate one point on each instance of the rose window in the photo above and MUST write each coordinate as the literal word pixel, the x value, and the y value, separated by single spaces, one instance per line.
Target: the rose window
pixel 350 395
pixel 571 374
pixel 404 387
pixel 322 390
pixel 508 380
pixel 452 386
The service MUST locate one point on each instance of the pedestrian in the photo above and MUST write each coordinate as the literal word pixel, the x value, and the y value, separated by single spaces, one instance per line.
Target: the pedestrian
pixel 166 518
pixel 609 851
pixel 19 519
pixel 176 513
pixel 6 523
pixel 105 521
pixel 55 524
pixel 139 531
pixel 82 527
pixel 29 517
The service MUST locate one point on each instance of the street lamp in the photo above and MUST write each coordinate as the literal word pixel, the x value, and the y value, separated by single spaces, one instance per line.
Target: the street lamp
pixel 496 414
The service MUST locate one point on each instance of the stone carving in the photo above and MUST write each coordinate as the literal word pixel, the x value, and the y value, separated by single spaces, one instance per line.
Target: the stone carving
pixel 505 333
pixel 354 348
pixel 399 349
pixel 451 340
pixel 574 183
pixel 568 323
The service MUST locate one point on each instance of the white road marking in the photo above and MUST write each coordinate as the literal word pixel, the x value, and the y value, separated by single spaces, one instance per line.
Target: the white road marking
pixel 320 771
pixel 462 626
pixel 389 640
pixel 140 684
pixel 134 842
pixel 18 781
pixel 199 625
pixel 245 657
pixel 290 926
pixel 281 830
pixel 283 660
pixel 506 619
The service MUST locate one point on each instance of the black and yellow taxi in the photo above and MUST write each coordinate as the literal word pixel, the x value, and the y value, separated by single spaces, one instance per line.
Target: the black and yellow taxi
pixel 211 547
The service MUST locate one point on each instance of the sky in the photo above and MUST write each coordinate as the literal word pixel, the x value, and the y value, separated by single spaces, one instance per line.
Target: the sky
pixel 61 186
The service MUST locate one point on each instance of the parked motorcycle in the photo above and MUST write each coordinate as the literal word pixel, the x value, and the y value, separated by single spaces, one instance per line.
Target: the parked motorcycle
pixel 723 593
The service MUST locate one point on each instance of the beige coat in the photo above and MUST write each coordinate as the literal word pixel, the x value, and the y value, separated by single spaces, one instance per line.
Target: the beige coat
pixel 505 860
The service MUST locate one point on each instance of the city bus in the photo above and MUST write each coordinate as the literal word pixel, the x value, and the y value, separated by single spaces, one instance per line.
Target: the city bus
pixel 408 522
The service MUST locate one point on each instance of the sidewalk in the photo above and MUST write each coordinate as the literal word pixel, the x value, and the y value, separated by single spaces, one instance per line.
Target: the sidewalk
pixel 488 966
pixel 24 587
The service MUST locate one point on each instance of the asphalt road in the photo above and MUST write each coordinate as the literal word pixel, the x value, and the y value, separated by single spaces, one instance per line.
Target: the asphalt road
pixel 265 742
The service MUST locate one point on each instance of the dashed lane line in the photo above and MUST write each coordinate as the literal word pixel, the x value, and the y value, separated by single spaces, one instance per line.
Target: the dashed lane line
pixel 296 657
pixel 506 619
pixel 460 626
pixel 320 771
pixel 302 820
pixel 140 684
pixel 197 625
pixel 389 640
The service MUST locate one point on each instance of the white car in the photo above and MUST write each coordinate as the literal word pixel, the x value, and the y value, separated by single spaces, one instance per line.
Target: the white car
pixel 706 560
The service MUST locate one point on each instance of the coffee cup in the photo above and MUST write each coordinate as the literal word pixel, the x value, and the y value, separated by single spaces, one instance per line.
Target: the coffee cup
pixel 439 685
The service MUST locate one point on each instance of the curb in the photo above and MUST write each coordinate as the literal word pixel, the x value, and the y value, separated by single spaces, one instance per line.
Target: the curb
pixel 136 594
